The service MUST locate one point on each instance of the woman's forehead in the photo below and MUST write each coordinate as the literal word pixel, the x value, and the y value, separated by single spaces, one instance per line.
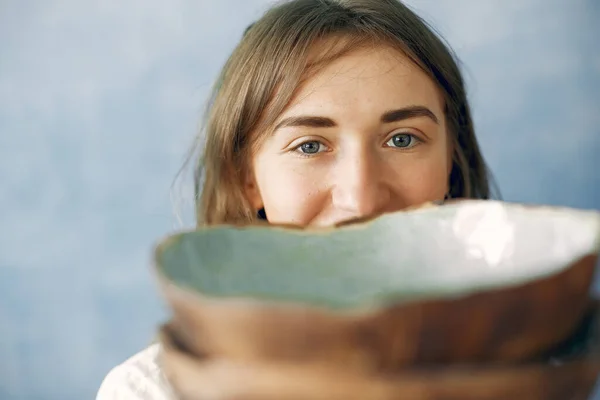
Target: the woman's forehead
pixel 368 74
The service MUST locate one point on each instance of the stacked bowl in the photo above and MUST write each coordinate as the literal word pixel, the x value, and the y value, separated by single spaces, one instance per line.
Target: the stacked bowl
pixel 469 300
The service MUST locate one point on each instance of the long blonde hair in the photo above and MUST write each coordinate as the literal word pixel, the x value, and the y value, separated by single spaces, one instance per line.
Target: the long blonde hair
pixel 262 74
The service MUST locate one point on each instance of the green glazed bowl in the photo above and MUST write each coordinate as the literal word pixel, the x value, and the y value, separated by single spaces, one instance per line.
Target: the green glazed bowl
pixel 471 281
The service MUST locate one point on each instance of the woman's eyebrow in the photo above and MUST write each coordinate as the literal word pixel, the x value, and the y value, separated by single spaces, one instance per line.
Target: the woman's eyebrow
pixel 407 113
pixel 313 121
pixel 306 121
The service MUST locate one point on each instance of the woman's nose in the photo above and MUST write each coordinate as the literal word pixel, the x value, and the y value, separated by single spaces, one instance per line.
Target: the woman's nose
pixel 359 189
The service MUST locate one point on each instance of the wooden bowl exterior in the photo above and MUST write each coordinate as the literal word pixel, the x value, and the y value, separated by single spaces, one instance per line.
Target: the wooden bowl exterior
pixel 496 326
pixel 195 377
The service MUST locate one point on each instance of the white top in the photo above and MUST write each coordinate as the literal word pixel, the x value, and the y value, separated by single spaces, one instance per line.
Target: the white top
pixel 138 378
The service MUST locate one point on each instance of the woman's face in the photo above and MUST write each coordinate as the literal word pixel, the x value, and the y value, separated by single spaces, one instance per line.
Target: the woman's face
pixel 363 136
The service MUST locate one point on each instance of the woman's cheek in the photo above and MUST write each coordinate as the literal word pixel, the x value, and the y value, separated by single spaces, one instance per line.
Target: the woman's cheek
pixel 293 195
pixel 422 181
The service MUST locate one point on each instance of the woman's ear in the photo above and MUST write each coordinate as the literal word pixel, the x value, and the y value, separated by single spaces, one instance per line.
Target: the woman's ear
pixel 451 154
pixel 252 192
pixel 450 164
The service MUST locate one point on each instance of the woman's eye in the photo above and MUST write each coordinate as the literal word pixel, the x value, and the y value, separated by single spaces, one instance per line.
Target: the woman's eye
pixel 312 147
pixel 402 140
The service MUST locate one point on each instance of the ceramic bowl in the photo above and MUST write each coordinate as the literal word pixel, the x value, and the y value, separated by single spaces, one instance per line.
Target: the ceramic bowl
pixel 469 282
pixel 568 371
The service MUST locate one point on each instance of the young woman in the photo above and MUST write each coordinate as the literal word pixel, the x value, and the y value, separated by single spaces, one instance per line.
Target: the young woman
pixel 327 111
